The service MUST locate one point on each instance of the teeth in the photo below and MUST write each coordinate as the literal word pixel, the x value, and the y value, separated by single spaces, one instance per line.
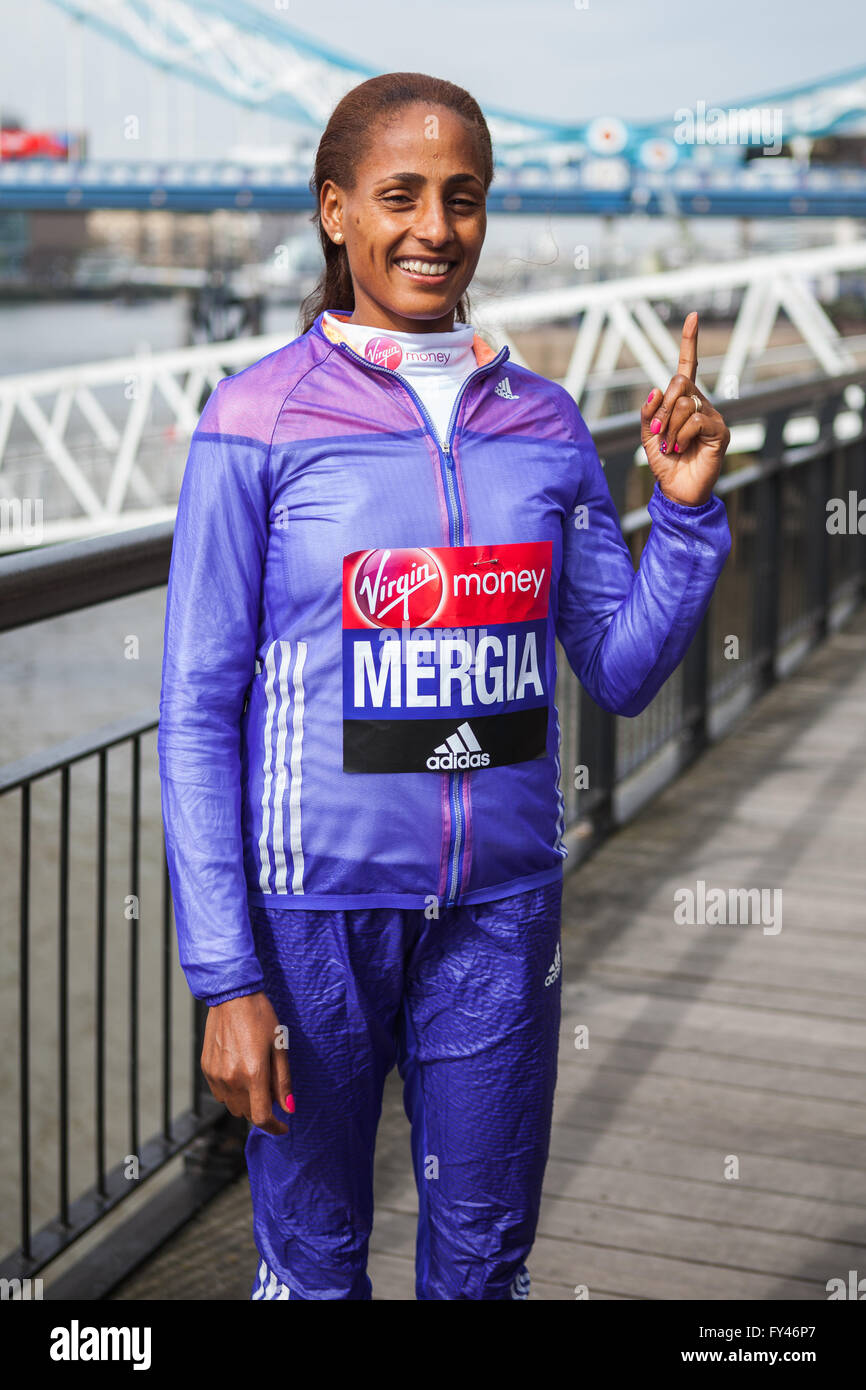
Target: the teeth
pixel 426 267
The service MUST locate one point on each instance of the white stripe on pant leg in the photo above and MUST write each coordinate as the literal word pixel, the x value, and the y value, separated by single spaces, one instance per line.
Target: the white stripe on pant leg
pixel 259 1291
pixel 264 854
pixel 274 1290
pixel 280 786
pixel 295 797
pixel 560 802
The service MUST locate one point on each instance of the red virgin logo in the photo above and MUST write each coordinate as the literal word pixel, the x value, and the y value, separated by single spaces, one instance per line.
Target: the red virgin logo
pixel 394 587
pixel 384 352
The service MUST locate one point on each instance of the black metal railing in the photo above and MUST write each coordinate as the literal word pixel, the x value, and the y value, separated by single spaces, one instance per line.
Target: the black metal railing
pixel 787 582
pixel 112 1182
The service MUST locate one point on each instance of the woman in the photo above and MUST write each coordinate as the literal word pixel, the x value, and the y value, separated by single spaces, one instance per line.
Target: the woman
pixel 382 527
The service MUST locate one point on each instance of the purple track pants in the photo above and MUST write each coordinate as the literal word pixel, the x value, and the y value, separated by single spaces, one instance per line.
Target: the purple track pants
pixel 467 1004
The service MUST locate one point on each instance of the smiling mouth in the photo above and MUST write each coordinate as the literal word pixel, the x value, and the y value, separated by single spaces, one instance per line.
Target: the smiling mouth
pixel 421 269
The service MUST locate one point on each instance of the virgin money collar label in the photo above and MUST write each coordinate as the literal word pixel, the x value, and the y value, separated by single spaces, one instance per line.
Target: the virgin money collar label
pixel 387 352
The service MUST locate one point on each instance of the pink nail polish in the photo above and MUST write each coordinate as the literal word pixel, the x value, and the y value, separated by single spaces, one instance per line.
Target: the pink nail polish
pixel 664 446
pixel 676 448
pixel 655 427
pixel 290 1104
pixel 650 396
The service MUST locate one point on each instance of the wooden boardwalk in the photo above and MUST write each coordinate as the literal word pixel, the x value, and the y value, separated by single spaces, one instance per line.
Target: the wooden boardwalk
pixel 710 1046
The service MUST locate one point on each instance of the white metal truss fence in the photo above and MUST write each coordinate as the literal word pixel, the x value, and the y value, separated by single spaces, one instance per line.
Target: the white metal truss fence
pixel 74 439
pixel 614 315
pixel 100 447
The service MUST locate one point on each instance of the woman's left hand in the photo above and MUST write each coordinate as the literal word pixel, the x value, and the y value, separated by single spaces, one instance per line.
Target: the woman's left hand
pixel 684 444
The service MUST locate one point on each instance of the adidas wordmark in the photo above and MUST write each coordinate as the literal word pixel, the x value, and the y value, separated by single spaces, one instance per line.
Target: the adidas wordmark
pixel 460 749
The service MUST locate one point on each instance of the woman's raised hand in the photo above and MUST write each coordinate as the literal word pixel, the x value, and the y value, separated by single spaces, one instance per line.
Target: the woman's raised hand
pixel 683 435
pixel 243 1062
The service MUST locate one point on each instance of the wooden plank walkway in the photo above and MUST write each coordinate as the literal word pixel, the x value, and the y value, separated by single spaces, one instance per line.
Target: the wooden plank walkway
pixel 708 1044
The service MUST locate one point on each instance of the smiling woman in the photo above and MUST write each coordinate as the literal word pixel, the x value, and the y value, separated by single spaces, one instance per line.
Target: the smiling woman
pixel 383 528
pixel 401 178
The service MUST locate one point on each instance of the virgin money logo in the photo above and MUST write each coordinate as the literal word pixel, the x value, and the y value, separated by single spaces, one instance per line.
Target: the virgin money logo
pixel 384 352
pixel 393 587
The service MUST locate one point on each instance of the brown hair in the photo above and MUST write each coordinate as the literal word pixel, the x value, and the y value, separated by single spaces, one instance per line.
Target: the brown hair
pixel 343 146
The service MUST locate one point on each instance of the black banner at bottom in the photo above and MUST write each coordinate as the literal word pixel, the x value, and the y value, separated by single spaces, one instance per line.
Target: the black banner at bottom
pixel 626 1332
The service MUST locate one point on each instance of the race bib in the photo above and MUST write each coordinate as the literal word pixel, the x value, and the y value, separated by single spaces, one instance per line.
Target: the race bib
pixel 444 657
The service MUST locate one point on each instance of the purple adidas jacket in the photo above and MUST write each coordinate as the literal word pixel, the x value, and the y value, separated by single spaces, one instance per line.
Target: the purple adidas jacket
pixel 357 704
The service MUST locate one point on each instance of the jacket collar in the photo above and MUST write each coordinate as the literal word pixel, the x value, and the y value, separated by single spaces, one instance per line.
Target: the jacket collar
pixel 484 353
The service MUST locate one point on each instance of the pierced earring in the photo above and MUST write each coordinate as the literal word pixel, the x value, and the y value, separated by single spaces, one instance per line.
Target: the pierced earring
pixel 338 236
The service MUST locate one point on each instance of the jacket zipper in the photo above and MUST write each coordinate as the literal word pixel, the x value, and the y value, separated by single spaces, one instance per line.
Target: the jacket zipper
pixel 457 834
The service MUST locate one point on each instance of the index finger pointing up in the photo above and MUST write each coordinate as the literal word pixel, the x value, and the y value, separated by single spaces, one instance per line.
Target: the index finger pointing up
pixel 688 363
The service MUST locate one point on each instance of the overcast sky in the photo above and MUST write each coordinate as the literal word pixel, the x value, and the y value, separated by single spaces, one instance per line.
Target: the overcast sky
pixel 544 57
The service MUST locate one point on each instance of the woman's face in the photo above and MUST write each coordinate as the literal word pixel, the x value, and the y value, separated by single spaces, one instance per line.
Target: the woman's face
pixel 418 196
